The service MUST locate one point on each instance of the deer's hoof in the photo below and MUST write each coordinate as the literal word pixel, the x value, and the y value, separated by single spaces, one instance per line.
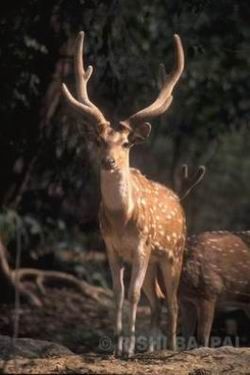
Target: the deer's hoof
pixel 128 355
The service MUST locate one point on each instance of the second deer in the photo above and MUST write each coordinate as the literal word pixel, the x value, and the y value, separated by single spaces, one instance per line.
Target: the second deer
pixel 216 274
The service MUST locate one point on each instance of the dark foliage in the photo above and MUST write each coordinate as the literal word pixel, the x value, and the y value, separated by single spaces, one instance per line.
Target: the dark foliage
pixel 208 122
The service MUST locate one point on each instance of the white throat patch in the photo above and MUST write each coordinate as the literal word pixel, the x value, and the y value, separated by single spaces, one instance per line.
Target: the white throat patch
pixel 116 190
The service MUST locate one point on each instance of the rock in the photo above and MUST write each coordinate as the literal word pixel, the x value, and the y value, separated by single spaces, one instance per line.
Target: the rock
pixel 29 348
pixel 29 356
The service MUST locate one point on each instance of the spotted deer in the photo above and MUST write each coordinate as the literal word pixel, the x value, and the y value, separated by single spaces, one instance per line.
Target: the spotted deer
pixel 153 287
pixel 216 274
pixel 141 221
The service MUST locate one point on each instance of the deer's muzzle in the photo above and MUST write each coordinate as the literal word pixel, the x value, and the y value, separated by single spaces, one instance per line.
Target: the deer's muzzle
pixel 108 163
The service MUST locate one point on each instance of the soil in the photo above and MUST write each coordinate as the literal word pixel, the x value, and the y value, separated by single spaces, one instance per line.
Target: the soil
pixel 84 327
pixel 69 318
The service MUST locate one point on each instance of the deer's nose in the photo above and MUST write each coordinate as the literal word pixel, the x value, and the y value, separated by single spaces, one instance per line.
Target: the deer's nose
pixel 108 163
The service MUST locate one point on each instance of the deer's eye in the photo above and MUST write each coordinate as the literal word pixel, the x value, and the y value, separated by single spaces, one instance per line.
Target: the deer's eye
pixel 126 145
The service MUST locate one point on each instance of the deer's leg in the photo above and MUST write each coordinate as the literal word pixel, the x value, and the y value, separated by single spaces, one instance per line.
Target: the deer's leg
pixel 149 288
pixel 188 320
pixel 139 268
pixel 171 277
pixel 117 271
pixel 206 310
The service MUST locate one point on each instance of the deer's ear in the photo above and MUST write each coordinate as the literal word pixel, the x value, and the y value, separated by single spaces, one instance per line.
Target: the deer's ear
pixel 140 133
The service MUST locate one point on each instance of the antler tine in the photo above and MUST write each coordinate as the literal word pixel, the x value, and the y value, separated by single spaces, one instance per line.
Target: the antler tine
pixel 185 171
pixel 82 76
pixel 193 180
pixel 163 101
pixel 83 104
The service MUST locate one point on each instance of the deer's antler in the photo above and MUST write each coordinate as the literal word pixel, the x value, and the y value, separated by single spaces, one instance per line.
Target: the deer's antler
pixel 82 104
pixel 189 182
pixel 163 101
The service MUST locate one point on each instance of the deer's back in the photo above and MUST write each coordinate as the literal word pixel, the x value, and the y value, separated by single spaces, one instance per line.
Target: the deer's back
pixel 216 264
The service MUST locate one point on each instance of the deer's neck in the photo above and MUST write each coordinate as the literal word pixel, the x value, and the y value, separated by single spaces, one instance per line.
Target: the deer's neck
pixel 116 190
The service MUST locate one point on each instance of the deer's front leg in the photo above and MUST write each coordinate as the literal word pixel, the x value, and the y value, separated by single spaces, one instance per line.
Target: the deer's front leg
pixel 139 267
pixel 117 271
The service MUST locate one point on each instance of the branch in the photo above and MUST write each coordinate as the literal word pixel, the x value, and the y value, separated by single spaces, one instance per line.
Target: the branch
pixel 41 277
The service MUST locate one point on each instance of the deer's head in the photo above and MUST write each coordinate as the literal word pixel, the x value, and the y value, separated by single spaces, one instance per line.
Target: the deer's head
pixel 114 144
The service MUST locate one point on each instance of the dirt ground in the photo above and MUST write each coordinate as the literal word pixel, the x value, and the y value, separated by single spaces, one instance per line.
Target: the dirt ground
pixel 66 317
pixel 82 325
pixel 197 362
